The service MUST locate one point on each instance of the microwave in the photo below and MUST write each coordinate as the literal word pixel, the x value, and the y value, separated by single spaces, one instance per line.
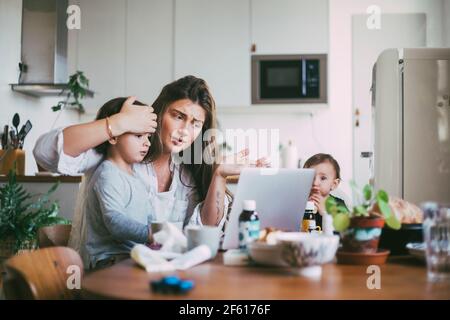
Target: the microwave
pixel 289 78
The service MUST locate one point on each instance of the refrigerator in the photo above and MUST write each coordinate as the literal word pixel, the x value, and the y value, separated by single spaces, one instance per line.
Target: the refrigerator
pixel 411 124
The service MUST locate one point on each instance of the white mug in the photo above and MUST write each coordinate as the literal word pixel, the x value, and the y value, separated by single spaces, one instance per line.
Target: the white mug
pixel 198 235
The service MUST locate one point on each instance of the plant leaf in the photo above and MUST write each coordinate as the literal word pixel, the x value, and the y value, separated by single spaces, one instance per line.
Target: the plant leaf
pixel 384 208
pixel 360 211
pixel 331 206
pixel 341 221
pixel 382 195
pixel 367 192
pixel 393 222
pixel 342 209
pixel 21 214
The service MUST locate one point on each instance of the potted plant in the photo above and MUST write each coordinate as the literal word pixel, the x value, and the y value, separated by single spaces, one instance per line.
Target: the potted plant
pixel 22 214
pixel 77 89
pixel 361 227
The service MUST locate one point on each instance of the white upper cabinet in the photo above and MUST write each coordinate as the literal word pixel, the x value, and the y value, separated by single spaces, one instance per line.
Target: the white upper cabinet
pixel 135 47
pixel 289 26
pixel 149 43
pixel 101 49
pixel 125 48
pixel 212 41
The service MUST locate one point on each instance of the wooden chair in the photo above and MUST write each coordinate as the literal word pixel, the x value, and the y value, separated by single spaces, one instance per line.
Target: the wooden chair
pixel 54 236
pixel 43 274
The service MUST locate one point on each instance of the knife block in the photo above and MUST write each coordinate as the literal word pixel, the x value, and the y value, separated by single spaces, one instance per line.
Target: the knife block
pixel 7 159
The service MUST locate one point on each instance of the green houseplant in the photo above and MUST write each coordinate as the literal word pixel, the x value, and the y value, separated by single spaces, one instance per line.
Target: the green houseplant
pixel 77 89
pixel 361 227
pixel 22 214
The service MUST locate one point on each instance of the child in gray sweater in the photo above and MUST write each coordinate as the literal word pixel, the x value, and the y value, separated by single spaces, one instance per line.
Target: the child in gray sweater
pixel 118 209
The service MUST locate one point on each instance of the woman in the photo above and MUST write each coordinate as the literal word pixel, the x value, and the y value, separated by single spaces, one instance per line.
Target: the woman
pixel 182 113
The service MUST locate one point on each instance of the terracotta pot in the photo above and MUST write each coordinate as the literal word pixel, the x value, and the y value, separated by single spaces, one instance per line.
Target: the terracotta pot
pixel 363 235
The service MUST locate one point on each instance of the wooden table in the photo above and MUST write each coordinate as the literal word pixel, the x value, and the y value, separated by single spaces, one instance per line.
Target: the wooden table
pixel 401 278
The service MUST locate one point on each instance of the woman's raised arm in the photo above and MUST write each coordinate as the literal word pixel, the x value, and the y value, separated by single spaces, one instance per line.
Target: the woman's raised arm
pixel 132 118
pixel 212 212
pixel 69 150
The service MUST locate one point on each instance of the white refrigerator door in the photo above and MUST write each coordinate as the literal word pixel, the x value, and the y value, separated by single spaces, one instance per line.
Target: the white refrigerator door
pixel 426 148
pixel 388 120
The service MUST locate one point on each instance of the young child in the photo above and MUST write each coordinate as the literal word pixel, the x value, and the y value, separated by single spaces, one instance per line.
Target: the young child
pixel 327 179
pixel 117 206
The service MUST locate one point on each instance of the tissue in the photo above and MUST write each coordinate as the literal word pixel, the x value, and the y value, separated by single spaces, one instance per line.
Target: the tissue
pixel 174 243
pixel 171 238
pixel 150 259
pixel 192 258
pixel 153 261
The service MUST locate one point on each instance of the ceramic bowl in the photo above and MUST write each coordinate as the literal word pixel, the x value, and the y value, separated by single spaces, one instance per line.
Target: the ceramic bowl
pixel 295 249
pixel 301 249
pixel 266 254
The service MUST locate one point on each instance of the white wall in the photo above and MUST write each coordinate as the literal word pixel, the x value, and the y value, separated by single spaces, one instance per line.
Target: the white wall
pixel 340 61
pixel 330 129
pixel 37 110
pixel 215 47
pixel 289 26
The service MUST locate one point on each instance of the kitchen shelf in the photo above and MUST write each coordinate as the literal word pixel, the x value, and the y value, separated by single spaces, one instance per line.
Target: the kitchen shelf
pixel 44 89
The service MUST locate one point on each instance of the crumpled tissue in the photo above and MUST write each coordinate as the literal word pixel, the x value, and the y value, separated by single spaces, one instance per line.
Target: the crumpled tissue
pixel 174 244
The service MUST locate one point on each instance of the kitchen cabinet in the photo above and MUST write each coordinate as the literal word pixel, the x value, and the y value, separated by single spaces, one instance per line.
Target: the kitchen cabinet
pixel 125 48
pixel 135 47
pixel 289 26
pixel 149 48
pixel 101 49
pixel 212 41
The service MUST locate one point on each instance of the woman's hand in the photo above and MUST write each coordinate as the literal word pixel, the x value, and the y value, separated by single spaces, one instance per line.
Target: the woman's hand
pixel 233 164
pixel 133 118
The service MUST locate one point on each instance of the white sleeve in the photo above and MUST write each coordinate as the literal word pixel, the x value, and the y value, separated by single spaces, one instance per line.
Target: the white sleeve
pixel 50 155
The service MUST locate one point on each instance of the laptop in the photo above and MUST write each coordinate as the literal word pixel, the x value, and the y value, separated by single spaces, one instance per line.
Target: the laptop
pixel 280 196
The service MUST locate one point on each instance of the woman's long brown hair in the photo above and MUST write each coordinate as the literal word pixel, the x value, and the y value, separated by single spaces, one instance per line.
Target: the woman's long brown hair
pixel 196 90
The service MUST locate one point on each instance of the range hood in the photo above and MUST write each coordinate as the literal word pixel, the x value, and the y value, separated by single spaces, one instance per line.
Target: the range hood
pixel 44 48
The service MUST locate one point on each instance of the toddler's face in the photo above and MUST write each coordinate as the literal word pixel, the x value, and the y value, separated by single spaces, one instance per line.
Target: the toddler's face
pixel 325 179
pixel 133 147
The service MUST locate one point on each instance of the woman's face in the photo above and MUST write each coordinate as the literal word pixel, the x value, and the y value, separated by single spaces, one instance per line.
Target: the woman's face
pixel 181 124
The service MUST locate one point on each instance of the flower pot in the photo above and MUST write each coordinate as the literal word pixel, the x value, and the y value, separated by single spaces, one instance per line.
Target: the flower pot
pixel 363 235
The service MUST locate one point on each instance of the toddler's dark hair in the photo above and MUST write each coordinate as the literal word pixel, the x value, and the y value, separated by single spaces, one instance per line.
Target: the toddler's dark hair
pixel 321 158
pixel 110 108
